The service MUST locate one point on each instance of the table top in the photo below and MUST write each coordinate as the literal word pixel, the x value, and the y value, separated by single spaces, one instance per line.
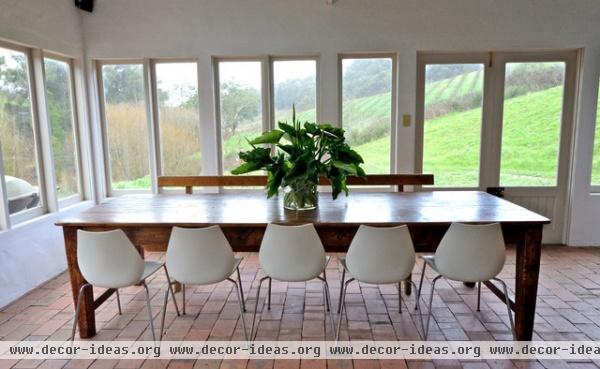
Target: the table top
pixel 239 209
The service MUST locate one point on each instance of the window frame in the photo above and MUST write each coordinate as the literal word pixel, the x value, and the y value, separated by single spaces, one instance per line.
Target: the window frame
pixel 439 58
pixel 150 126
pixel 80 195
pixel 158 159
pixel 595 187
pixel 10 220
pixel 265 94
pixel 493 109
pixel 394 98
pixel 283 58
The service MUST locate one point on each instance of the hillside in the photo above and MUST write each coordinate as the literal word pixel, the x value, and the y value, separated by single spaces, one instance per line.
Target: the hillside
pixel 452 142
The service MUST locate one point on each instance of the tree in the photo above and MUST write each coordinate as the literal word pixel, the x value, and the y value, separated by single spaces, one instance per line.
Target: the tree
pixel 123 83
pixel 239 104
pixel 298 92
pixel 16 131
pixel 367 77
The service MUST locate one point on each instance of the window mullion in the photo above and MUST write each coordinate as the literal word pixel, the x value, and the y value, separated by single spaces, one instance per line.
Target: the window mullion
pixel 153 151
pixel 155 124
pixel 4 211
pixel 42 132
pixel 267 94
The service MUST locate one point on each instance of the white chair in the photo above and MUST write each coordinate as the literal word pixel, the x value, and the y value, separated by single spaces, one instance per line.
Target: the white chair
pixel 291 254
pixel 468 253
pixel 201 256
pixel 377 255
pixel 109 260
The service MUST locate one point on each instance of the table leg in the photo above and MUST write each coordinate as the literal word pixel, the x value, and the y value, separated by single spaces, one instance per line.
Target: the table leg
pixel 87 318
pixel 526 280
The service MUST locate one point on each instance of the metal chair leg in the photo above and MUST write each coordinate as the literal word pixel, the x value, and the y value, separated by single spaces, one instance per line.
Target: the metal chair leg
pixel 339 310
pixel 170 288
pixel 269 295
pixel 478 296
pixel 242 308
pixel 77 308
pixel 164 312
pixel 326 291
pixel 507 301
pixel 119 301
pixel 149 310
pixel 327 299
pixel 400 297
pixel 419 310
pixel 420 284
pixel 430 305
pixel 239 277
pixel 342 305
pixel 183 298
pixel 252 335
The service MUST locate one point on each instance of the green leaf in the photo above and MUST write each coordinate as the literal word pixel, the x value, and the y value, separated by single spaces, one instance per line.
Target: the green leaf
pixel 257 155
pixel 289 149
pixel 275 176
pixel 271 137
pixel 347 155
pixel 246 168
pixel 289 129
pixel 350 168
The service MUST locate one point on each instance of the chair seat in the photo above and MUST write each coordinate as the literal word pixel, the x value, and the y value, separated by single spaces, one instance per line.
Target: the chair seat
pixel 150 267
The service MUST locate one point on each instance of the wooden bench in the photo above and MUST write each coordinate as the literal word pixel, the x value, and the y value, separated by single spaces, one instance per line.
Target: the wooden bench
pixel 189 182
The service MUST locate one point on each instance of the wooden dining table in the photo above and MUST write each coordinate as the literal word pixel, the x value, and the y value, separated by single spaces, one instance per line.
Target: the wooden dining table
pixel 148 219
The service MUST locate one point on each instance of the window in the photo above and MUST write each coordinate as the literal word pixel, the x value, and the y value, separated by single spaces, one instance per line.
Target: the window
pixel 60 116
pixel 367 109
pixel 295 84
pixel 178 118
pixel 452 116
pixel 533 100
pixel 240 103
pixel 126 126
pixel 596 158
pixel 17 135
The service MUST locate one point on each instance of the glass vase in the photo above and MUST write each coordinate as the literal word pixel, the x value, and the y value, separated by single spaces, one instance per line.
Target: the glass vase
pixel 304 197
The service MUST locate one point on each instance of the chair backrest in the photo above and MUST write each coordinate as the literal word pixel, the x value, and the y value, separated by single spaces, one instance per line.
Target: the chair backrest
pixel 292 253
pixel 471 253
pixel 381 254
pixel 199 255
pixel 108 259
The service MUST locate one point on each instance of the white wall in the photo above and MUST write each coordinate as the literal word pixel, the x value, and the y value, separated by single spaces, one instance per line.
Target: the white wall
pixel 32 253
pixel 196 28
pixel 50 24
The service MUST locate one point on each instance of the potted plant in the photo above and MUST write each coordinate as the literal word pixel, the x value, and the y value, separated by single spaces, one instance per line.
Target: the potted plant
pixel 303 153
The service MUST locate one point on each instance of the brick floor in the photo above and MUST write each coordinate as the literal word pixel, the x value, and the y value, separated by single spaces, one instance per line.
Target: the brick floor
pixel 568 308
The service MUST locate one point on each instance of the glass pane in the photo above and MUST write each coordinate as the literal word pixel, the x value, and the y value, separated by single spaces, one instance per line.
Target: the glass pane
pixel 60 114
pixel 452 123
pixel 241 108
pixel 533 97
pixel 295 83
pixel 126 125
pixel 179 121
pixel 367 110
pixel 16 133
pixel 596 162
